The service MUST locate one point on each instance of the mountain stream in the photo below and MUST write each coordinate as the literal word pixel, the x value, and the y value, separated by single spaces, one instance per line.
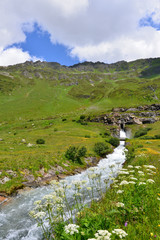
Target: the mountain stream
pixel 15 222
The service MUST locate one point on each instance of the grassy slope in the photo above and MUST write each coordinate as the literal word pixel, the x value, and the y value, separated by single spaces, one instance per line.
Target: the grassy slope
pixel 32 108
pixel 140 216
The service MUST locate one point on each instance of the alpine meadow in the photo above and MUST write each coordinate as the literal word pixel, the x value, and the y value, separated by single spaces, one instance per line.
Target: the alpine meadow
pixel 58 123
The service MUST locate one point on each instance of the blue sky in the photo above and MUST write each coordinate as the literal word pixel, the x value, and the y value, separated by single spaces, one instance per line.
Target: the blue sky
pixel 73 31
pixel 38 44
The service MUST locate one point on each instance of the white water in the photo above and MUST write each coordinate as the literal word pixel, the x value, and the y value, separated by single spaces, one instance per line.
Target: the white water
pixel 15 223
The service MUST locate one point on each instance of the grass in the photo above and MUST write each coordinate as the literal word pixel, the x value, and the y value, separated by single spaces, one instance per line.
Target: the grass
pixel 15 155
pixel 33 107
pixel 132 207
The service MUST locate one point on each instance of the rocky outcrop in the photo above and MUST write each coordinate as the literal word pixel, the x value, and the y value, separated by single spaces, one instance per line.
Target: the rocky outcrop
pixel 153 107
pixel 126 116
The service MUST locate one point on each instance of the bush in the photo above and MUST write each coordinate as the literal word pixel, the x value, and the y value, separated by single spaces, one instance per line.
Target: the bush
pixel 157 136
pixel 114 141
pixel 82 117
pixel 74 153
pixel 141 132
pixel 82 152
pixel 101 148
pixel 87 136
pixel 40 141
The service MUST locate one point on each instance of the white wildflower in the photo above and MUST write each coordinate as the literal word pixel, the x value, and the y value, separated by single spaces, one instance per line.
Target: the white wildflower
pixel 115 181
pixel 132 182
pixel 124 182
pixel 92 169
pixel 78 194
pixel 115 186
pixel 103 235
pixel 71 229
pixel 124 172
pixel 130 166
pixel 40 215
pixel 149 166
pixel 150 181
pixel 76 183
pixel 133 178
pixel 83 181
pixel 141 173
pixel 89 188
pixel 63 181
pixel 137 167
pixel 92 176
pixel 119 232
pixel 37 202
pixel 158 198
pixel 119 204
pixel 49 196
pixel 120 191
pixel 54 182
pixel 141 183
pixel 150 174
pixel 59 190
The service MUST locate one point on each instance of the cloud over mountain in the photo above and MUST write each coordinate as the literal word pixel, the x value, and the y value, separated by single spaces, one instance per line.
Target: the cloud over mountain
pixel 104 30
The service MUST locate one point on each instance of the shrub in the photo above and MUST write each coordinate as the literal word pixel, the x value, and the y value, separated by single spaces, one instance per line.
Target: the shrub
pixel 157 136
pixel 74 153
pixel 40 141
pixel 82 152
pixel 107 133
pixel 87 136
pixel 141 132
pixel 101 148
pixel 114 141
pixel 82 117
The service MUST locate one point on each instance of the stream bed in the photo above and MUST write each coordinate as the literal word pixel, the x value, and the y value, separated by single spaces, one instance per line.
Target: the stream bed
pixel 15 222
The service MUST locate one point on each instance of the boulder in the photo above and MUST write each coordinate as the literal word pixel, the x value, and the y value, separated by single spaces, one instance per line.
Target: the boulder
pixel 137 121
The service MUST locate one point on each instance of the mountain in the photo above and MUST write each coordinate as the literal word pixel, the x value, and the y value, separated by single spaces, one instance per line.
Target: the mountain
pixel 45 101
pixel 48 88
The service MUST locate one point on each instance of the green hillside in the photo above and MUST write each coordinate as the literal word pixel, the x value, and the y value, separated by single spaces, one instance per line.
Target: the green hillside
pixel 44 100
pixel 42 89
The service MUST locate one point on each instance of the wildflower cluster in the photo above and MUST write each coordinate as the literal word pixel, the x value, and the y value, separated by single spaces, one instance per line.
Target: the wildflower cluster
pixel 106 235
pixel 119 232
pixel 61 206
pixel 71 229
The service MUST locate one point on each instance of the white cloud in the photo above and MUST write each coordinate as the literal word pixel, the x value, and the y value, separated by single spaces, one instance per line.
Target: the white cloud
pixel 96 30
pixel 14 56
pixel 123 48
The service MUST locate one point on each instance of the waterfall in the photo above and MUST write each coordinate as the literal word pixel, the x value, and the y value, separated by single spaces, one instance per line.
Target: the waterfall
pixel 15 223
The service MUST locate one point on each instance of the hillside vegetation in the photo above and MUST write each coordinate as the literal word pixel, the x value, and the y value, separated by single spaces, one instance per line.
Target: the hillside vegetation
pixel 44 100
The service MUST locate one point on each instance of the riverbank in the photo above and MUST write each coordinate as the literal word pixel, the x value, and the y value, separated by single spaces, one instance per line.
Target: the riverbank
pixel 24 203
pixel 44 181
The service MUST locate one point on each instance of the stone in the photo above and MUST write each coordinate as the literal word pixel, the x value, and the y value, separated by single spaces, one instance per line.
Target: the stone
pixel 30 145
pixel 52 172
pixel 59 169
pixel 131 110
pixel 11 173
pixel 5 179
pixel 137 121
pixel 29 178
